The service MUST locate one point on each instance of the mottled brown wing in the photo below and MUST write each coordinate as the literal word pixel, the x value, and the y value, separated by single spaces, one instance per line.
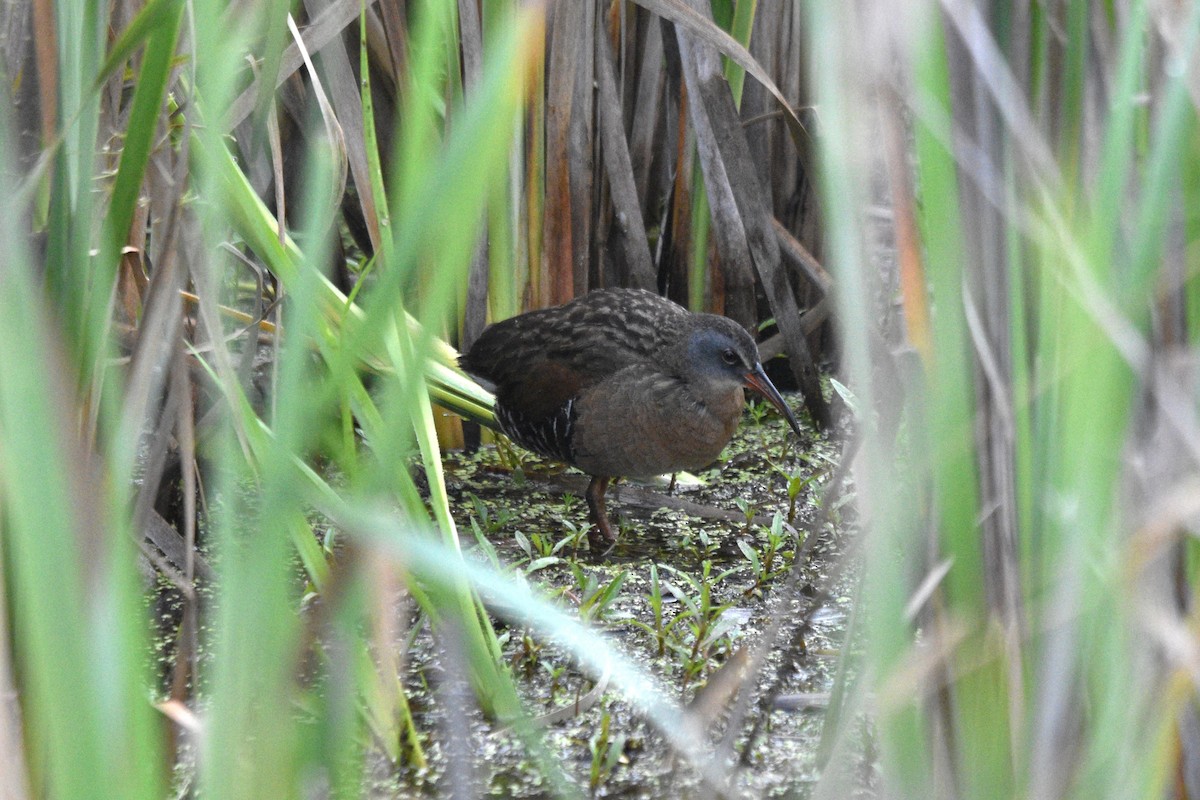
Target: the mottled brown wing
pixel 592 337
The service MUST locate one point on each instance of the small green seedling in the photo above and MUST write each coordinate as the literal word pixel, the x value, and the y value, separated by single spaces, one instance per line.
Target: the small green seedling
pixel 796 483
pixel 758 411
pixel 556 673
pixel 702 617
pixel 527 657
pixel 700 541
pixel 544 546
pixel 490 522
pixel 576 536
pixel 749 512
pixel 595 597
pixel 570 502
pixel 606 752
pixel 485 546
pixel 654 599
pixel 764 563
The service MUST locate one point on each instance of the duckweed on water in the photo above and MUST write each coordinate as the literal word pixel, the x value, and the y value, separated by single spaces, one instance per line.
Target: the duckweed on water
pixel 714 598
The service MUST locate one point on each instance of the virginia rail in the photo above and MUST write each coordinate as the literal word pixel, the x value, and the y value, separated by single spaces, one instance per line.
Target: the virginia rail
pixel 620 382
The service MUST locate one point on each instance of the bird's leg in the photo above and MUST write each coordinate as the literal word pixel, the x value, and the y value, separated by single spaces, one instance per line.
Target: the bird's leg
pixel 600 538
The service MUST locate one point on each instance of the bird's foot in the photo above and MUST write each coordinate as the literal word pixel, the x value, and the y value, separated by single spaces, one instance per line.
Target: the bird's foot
pixel 601 537
pixel 600 543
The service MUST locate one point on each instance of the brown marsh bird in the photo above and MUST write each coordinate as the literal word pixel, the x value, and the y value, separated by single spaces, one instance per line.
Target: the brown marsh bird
pixel 620 382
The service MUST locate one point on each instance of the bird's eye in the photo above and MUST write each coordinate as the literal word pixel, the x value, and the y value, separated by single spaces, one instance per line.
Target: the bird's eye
pixel 729 356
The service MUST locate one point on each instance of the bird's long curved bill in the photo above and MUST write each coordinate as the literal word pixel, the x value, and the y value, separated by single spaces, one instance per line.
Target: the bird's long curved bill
pixel 759 382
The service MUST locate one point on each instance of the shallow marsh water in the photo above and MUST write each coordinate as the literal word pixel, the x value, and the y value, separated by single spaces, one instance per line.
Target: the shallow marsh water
pixel 520 507
pixel 517 503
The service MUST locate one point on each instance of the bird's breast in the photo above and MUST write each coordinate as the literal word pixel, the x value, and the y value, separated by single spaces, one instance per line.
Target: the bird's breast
pixel 643 425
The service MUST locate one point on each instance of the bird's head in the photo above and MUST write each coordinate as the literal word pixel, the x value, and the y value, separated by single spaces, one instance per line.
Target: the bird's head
pixel 719 351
